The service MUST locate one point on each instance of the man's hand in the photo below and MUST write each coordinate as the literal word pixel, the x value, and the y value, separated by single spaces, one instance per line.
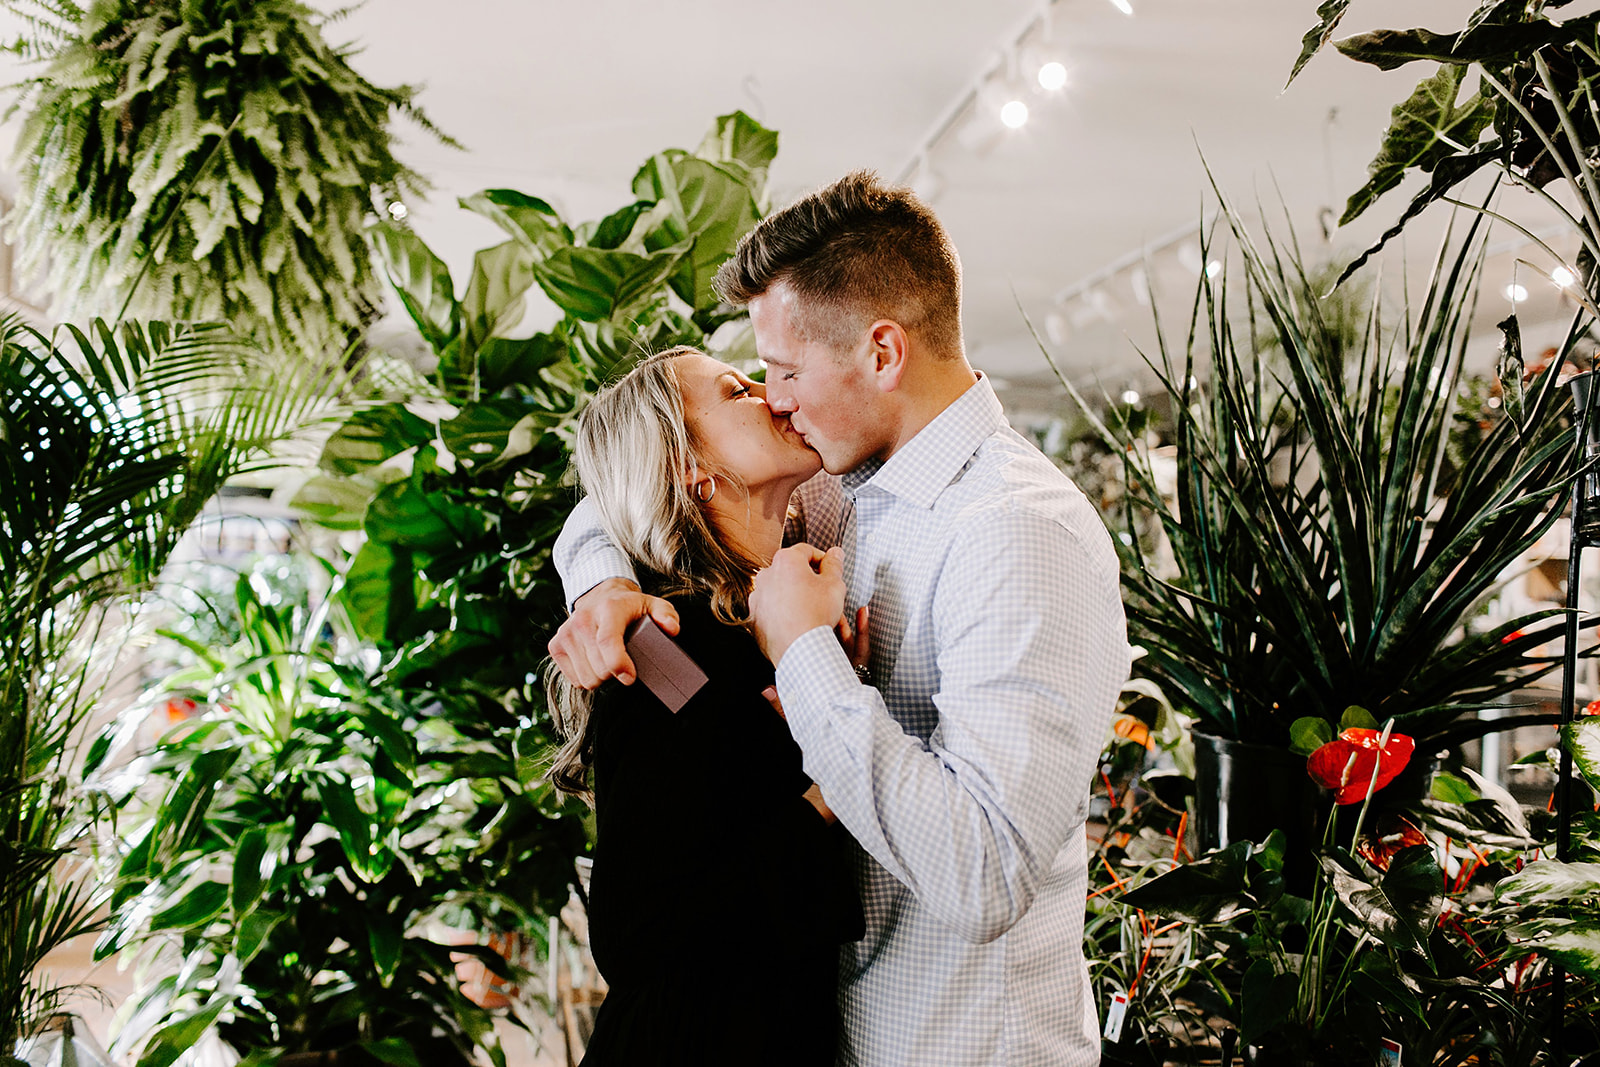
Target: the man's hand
pixel 803 589
pixel 588 648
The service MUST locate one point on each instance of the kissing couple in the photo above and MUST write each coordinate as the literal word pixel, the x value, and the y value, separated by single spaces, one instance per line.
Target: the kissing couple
pixel 861 840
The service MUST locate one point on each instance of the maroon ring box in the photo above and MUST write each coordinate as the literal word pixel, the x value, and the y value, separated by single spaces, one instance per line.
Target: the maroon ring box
pixel 665 669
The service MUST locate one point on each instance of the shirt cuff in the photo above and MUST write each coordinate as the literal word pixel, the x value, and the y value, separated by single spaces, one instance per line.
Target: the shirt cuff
pixel 598 567
pixel 814 672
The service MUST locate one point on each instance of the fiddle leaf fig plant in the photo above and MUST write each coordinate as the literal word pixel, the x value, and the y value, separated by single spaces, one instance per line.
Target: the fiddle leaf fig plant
pixel 458 482
pixel 204 160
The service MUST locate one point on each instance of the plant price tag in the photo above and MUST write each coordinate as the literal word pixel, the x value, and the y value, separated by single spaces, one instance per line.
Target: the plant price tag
pixel 1114 1016
pixel 1389 1054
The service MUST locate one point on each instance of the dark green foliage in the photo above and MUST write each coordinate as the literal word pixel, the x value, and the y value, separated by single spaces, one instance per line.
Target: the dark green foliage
pixel 1326 555
pixel 305 831
pixel 204 160
pixel 111 442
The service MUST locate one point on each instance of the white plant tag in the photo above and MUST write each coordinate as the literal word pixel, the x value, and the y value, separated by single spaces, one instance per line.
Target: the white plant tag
pixel 1114 1016
pixel 1389 1054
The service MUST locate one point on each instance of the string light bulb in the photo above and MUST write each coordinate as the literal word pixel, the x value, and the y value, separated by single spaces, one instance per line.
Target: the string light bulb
pixel 1014 114
pixel 1516 293
pixel 1563 277
pixel 1052 76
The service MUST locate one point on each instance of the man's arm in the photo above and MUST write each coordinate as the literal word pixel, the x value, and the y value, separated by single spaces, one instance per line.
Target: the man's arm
pixel 1031 653
pixel 604 598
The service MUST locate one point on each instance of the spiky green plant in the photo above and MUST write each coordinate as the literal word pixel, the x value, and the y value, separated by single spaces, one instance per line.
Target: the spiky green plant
pixel 1326 555
pixel 220 150
pixel 110 446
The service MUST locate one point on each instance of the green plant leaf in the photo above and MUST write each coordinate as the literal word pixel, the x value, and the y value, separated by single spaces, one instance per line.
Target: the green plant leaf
pixel 1402 908
pixel 1212 889
pixel 404 514
pixel 182 813
pixel 251 867
pixel 531 222
pixel 737 137
pixel 506 361
pixel 1267 1000
pixel 422 281
pixel 1328 14
pixel 1423 130
pixel 252 933
pixel 595 284
pixel 1357 718
pixel 337 503
pixel 197 908
pixel 371 436
pixel 177 1037
pixel 1573 944
pixel 1581 737
pixel 492 432
pixel 1452 790
pixel 1308 734
pixel 711 207
pixel 359 834
pixel 380 589
pixel 1492 45
pixel 1550 881
pixel 385 939
pixel 393 1050
pixel 501 277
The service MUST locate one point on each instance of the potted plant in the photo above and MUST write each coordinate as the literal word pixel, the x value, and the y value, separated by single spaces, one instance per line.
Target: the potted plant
pixel 310 832
pixel 204 161
pixel 111 443
pixel 1327 556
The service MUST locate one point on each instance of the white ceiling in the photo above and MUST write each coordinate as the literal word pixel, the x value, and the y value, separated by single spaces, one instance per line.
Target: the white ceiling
pixel 564 100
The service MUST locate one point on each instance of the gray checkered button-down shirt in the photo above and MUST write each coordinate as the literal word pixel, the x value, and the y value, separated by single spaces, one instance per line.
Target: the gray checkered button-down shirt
pixel 998 649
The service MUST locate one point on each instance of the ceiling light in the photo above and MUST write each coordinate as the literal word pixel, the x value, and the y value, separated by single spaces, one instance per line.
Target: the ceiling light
pixel 398 211
pixel 1130 396
pixel 1563 277
pixel 1014 114
pixel 1213 268
pixel 1052 76
pixel 1122 6
pixel 1516 293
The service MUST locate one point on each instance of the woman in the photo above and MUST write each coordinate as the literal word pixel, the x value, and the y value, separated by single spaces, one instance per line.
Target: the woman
pixel 719 896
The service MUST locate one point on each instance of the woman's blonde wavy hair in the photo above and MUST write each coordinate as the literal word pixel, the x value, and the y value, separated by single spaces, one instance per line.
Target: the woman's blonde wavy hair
pixel 635 454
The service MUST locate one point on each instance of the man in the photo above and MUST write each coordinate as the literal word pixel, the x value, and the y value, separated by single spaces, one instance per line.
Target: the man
pixel 998 643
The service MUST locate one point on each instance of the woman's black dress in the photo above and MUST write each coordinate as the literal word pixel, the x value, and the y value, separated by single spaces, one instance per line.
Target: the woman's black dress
pixel 719 896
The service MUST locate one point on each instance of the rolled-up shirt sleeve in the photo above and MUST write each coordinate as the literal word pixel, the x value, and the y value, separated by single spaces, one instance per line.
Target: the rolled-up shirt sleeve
pixel 1031 652
pixel 585 555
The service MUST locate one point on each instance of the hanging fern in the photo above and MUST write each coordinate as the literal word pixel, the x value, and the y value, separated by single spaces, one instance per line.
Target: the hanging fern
pixel 215 159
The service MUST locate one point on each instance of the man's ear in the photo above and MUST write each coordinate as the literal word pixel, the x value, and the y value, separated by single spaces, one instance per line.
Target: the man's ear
pixel 889 348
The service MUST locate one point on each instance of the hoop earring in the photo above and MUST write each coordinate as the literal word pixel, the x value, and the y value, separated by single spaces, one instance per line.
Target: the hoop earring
pixel 707 498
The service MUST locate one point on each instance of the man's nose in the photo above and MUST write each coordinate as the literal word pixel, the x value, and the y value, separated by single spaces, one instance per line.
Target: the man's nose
pixel 780 400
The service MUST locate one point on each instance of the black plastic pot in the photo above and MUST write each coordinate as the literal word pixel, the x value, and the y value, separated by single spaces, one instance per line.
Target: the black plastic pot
pixel 1244 791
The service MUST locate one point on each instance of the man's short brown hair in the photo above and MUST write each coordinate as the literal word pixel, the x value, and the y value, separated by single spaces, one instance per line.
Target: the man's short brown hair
pixel 854 252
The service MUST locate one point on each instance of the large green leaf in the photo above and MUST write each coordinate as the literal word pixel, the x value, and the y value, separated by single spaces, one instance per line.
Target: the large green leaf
pixel 1429 126
pixel 360 835
pixel 371 436
pixel 737 137
pixel 1492 44
pixel 177 1037
pixel 712 206
pixel 531 222
pixel 1402 908
pixel 504 362
pixel 337 503
pixel 422 282
pixel 380 589
pixel 1213 889
pixel 405 514
pixel 1573 943
pixel 1267 1000
pixel 181 816
pixel 1550 881
pixel 492 432
pixel 501 277
pixel 597 284
pixel 385 939
pixel 197 908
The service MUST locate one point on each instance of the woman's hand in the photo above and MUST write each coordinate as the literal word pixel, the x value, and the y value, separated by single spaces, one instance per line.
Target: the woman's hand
pixel 814 798
pixel 854 640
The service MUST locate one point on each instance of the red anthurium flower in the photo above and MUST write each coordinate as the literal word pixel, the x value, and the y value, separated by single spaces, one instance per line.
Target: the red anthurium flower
pixel 1346 763
pixel 1593 708
pixel 1394 834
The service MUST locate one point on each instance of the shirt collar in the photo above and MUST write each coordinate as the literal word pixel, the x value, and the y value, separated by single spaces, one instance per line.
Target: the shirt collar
pixel 924 466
